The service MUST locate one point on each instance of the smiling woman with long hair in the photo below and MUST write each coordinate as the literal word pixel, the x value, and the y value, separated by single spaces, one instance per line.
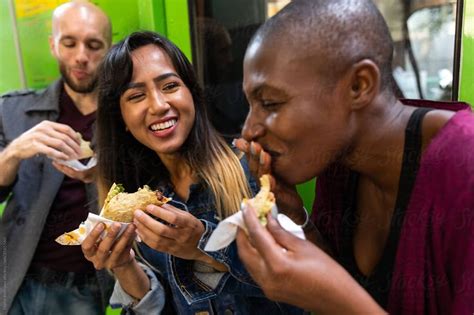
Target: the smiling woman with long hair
pixel 152 128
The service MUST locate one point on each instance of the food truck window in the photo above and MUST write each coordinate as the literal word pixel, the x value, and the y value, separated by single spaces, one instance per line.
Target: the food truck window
pixel 423 32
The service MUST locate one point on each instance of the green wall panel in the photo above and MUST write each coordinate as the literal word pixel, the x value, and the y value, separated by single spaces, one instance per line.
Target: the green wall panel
pixel 168 17
pixel 466 92
pixel 9 69
pixel 307 193
pixel 177 25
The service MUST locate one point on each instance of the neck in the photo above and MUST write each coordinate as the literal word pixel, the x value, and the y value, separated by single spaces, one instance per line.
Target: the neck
pixel 86 103
pixel 377 152
pixel 177 167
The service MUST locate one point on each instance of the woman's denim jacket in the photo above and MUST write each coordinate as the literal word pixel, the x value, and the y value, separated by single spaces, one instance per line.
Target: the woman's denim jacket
pixel 235 292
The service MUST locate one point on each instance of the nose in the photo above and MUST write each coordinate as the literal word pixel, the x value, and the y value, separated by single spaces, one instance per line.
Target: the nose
pixel 158 104
pixel 254 127
pixel 82 56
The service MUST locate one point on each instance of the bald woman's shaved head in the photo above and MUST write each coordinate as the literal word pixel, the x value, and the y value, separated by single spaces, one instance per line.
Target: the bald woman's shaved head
pixel 340 32
pixel 85 10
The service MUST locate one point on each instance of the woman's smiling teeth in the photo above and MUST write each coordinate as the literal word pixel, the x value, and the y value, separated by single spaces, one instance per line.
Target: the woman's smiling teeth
pixel 163 125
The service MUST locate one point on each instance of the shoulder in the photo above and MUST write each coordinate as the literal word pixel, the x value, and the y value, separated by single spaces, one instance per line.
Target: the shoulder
pixel 19 93
pixel 19 99
pixel 452 147
pixel 30 97
pixel 446 174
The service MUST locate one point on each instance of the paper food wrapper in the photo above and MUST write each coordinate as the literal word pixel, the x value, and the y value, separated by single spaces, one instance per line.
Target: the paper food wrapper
pixel 226 230
pixel 77 236
pixel 78 166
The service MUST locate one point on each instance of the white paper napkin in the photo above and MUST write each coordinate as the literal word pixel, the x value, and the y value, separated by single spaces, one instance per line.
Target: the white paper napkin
pixel 226 230
pixel 77 236
pixel 78 166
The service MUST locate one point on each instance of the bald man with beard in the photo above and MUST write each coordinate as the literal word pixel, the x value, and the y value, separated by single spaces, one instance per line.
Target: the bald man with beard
pixel 46 198
pixel 393 215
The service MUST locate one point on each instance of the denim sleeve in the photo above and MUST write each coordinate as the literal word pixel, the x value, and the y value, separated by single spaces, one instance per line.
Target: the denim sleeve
pixel 235 281
pixel 152 303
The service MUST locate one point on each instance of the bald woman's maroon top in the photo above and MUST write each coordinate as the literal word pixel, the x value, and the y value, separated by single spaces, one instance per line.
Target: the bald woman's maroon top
pixel 429 268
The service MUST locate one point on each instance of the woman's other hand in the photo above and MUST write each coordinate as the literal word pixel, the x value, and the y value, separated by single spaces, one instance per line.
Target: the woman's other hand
pixel 110 253
pixel 177 234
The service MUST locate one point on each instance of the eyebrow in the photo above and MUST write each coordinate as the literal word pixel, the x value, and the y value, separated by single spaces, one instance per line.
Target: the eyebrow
pixel 159 78
pixel 71 37
pixel 258 90
pixel 67 37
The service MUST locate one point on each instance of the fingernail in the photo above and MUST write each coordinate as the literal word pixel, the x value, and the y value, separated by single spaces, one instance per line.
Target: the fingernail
pixel 138 213
pixel 253 150
pixel 100 227
pixel 262 157
pixel 115 227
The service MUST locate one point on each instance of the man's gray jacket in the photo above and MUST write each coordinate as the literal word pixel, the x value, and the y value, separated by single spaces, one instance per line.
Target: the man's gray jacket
pixel 31 195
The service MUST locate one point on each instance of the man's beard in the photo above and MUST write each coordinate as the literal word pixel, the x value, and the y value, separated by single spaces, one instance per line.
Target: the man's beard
pixel 86 88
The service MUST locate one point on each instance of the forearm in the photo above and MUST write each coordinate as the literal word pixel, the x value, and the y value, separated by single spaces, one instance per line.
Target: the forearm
pixel 9 165
pixel 341 294
pixel 133 280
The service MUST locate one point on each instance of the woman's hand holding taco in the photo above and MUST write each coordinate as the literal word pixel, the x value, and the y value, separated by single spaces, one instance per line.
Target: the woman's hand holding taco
pixel 178 234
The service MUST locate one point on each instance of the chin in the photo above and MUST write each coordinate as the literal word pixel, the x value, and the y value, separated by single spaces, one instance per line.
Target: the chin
pixel 292 176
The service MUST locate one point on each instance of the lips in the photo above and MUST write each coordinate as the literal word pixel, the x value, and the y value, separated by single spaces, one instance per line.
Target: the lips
pixel 79 74
pixel 272 153
pixel 164 127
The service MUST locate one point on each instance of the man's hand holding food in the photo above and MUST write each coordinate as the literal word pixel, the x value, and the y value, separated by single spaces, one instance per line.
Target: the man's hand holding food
pixel 55 140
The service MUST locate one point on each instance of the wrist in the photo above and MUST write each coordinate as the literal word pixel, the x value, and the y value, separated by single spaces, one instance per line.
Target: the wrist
pixel 11 154
pixel 125 267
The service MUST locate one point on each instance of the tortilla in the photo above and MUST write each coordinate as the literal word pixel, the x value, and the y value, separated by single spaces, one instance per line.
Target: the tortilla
pixel 263 201
pixel 86 151
pixel 119 205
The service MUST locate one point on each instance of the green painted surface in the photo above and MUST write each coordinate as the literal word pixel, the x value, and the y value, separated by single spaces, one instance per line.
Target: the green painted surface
pixel 124 15
pixel 466 91
pixel 177 25
pixel 40 67
pixel 307 193
pixel 9 71
pixel 110 311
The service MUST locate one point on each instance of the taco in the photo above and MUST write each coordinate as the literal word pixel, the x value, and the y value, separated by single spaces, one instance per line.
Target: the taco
pixel 264 201
pixel 119 205
pixel 86 151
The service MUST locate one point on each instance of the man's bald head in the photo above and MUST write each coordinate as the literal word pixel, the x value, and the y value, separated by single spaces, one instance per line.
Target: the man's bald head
pixel 81 37
pixel 83 10
pixel 337 32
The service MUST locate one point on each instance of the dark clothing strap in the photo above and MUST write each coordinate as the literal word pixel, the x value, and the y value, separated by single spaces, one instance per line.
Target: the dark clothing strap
pixel 379 282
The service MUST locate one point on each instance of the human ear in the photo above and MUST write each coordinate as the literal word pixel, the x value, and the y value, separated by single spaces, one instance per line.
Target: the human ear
pixel 365 83
pixel 52 45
